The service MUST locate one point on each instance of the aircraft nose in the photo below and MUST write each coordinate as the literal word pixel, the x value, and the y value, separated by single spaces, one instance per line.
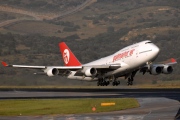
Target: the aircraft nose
pixel 156 49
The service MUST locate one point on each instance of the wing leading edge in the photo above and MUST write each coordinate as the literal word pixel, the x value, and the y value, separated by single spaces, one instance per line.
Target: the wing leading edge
pixel 162 67
pixel 63 69
pixel 22 66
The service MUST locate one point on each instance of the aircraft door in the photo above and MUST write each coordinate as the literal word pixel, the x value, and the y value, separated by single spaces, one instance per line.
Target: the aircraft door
pixel 137 53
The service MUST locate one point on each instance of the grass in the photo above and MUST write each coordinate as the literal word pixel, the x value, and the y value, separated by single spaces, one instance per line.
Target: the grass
pixel 63 106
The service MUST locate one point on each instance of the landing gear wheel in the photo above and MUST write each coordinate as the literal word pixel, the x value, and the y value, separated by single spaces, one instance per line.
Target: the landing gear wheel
pixel 130 81
pixel 98 83
pixel 107 83
pixel 102 82
pixel 116 83
pixel 113 83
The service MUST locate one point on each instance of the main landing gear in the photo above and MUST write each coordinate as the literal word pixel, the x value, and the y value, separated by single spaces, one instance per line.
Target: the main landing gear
pixel 115 82
pixel 102 82
pixel 131 78
pixel 130 81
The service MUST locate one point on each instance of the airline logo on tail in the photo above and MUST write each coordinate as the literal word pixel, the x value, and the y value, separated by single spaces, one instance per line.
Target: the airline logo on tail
pixel 68 56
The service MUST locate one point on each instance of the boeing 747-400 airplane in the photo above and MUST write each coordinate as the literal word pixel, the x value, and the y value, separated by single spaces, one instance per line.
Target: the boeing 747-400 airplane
pixel 124 63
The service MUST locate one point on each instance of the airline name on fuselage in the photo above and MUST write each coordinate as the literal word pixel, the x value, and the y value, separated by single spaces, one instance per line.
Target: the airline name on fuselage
pixel 123 55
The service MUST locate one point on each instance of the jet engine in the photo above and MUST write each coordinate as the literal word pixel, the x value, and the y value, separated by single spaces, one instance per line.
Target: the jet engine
pixel 155 70
pixel 167 69
pixel 52 72
pixel 90 72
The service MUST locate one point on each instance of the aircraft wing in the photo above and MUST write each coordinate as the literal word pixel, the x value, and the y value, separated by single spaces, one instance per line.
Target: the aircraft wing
pixel 107 66
pixel 23 66
pixel 111 66
pixel 40 67
pixel 171 61
pixel 165 67
pixel 63 69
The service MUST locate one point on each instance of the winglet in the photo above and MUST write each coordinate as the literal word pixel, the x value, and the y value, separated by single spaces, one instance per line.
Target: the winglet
pixel 4 64
pixel 173 60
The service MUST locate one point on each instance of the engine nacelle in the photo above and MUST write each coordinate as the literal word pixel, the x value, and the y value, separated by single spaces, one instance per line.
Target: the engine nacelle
pixel 52 72
pixel 155 70
pixel 90 72
pixel 167 69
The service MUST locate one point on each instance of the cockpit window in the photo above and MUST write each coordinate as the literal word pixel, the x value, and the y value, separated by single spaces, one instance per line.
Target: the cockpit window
pixel 148 42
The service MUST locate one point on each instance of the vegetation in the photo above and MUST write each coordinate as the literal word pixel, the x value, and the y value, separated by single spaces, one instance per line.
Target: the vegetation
pixel 63 106
pixel 5 16
pixel 43 5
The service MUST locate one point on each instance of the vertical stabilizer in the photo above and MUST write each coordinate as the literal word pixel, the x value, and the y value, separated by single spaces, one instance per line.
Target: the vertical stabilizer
pixel 67 55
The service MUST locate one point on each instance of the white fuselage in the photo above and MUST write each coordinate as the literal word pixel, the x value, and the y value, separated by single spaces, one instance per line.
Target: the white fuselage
pixel 130 59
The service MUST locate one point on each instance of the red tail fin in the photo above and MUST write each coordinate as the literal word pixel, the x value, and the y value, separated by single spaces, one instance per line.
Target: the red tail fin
pixel 68 57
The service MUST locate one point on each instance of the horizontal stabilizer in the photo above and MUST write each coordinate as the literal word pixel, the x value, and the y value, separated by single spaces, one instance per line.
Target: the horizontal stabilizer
pixel 4 64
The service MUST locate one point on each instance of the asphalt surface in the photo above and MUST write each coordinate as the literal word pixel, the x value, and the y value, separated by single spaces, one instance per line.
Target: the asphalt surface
pixel 87 93
pixel 155 104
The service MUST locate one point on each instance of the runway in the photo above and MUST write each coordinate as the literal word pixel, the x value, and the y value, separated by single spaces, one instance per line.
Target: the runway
pixel 160 104
pixel 87 93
